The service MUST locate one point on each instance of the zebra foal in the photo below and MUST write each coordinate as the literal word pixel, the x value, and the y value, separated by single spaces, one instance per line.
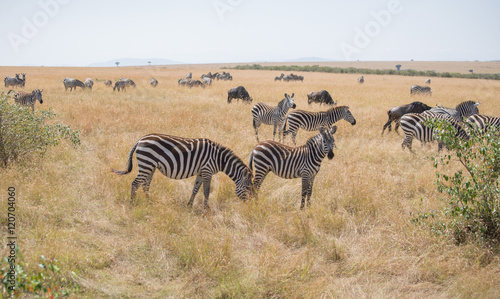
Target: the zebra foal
pixel 313 121
pixel 28 98
pixel 275 116
pixel 293 162
pixel 181 158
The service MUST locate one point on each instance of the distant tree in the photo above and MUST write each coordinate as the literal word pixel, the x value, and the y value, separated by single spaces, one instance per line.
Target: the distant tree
pixel 471 71
pixel 398 67
pixel 117 63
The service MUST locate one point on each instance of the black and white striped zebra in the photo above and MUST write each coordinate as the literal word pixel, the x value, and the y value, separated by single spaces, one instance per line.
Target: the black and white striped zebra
pixel 417 89
pixel 89 83
pixel 153 82
pixel 293 162
pixel 72 83
pixel 483 122
pixel 275 116
pixel 461 112
pixel 361 80
pixel 312 121
pixel 414 126
pixel 181 158
pixel 28 98
pixel 15 81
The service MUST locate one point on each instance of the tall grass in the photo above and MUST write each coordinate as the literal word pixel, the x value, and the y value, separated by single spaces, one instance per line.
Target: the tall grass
pixel 356 239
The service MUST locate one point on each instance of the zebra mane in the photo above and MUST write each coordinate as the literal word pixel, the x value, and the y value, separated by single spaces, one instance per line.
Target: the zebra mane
pixel 464 104
pixel 338 108
pixel 281 103
pixel 223 149
pixel 312 140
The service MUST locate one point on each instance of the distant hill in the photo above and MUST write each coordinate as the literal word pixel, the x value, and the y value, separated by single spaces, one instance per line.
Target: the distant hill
pixel 134 62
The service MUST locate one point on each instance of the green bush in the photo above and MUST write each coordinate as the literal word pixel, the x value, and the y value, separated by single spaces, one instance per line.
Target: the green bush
pixel 472 192
pixel 24 132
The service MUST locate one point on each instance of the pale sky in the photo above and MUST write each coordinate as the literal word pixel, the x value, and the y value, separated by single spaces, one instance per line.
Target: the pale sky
pixel 78 33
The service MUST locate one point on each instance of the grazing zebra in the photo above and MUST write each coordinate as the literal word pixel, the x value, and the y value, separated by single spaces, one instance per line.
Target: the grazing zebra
pixel 279 78
pixel 128 82
pixel 89 83
pixel 417 89
pixel 181 158
pixel 153 82
pixel 361 80
pixel 459 113
pixel 15 81
pixel 189 75
pixel 207 80
pixel 108 83
pixel 428 81
pixel 293 162
pixel 28 99
pixel 119 85
pixel 483 122
pixel 265 114
pixel 413 125
pixel 312 121
pixel 72 83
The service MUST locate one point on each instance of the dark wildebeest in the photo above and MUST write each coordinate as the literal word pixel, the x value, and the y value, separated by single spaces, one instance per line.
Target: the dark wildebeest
pixel 153 82
pixel 15 81
pixel 425 90
pixel 238 93
pixel 397 112
pixel 108 83
pixel 321 97
pixel 89 83
pixel 72 83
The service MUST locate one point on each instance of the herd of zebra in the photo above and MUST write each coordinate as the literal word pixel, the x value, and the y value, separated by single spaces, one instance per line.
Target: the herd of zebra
pixel 291 77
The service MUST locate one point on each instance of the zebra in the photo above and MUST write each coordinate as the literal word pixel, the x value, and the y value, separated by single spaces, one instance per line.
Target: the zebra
pixel 72 83
pixel 128 82
pixel 189 75
pixel 417 89
pixel 483 122
pixel 312 121
pixel 119 85
pixel 265 114
pixel 207 80
pixel 293 162
pixel 28 99
pixel 361 80
pixel 15 81
pixel 279 78
pixel 181 158
pixel 428 81
pixel 461 112
pixel 89 83
pixel 414 126
pixel 153 82
pixel 108 83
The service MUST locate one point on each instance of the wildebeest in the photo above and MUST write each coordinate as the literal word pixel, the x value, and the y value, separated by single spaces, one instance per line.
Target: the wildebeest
pixel 395 113
pixel 89 83
pixel 15 81
pixel 361 80
pixel 153 82
pixel 72 83
pixel 207 80
pixel 425 90
pixel 28 99
pixel 321 97
pixel 108 83
pixel 238 93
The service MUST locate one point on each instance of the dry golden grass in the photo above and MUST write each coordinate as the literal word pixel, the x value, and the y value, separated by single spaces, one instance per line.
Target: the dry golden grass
pixel 356 239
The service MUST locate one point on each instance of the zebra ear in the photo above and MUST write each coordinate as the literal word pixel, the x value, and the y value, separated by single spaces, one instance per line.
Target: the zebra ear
pixel 333 130
pixel 292 94
pixel 286 96
pixel 41 90
pixel 322 131
pixel 477 104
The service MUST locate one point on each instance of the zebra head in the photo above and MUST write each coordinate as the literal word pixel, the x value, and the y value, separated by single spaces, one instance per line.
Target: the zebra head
pixel 244 184
pixel 349 117
pixel 37 95
pixel 289 101
pixel 328 142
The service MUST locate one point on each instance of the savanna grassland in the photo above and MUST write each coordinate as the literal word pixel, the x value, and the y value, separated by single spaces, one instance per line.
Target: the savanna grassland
pixel 356 240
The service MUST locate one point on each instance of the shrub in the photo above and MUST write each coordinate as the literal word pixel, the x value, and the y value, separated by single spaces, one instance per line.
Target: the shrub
pixel 24 132
pixel 473 193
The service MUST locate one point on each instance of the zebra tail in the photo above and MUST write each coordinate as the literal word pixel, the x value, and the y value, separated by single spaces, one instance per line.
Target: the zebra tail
pixel 284 127
pixel 250 162
pixel 129 162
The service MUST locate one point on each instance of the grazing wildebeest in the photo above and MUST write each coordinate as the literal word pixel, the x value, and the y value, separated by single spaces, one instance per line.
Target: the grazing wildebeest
pixel 321 97
pixel 238 93
pixel 207 80
pixel 361 80
pixel 28 99
pixel 89 83
pixel 72 83
pixel 425 90
pixel 395 113
pixel 189 75
pixel 15 81
pixel 428 81
pixel 108 83
pixel 153 82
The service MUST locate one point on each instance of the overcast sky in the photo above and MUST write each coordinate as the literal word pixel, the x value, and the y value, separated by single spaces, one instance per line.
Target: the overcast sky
pixel 78 33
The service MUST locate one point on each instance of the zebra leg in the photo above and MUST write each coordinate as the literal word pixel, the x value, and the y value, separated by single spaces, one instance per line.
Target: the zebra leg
pixel 259 178
pixel 309 191
pixel 196 187
pixel 407 142
pixel 206 189
pixel 294 136
pixel 147 182
pixel 256 125
pixel 274 130
pixel 305 190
